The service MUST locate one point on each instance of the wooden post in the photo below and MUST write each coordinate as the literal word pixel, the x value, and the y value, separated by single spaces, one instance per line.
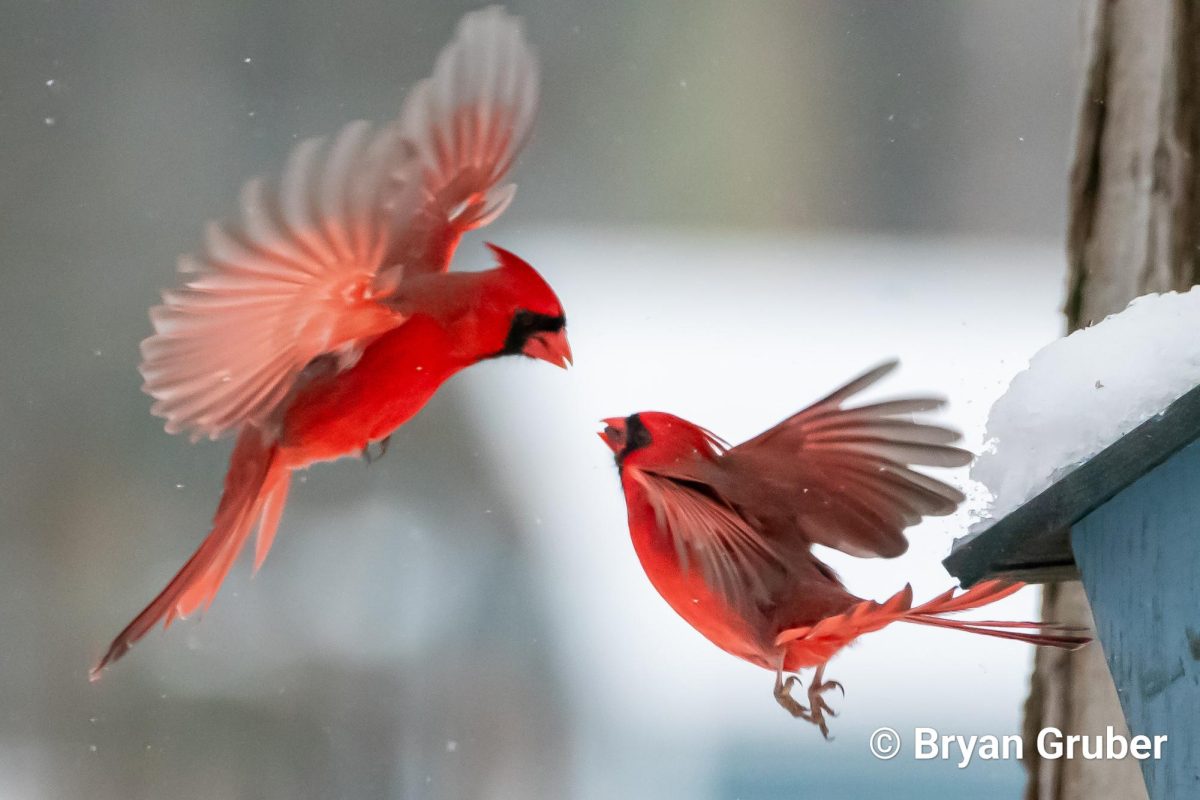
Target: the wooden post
pixel 1133 230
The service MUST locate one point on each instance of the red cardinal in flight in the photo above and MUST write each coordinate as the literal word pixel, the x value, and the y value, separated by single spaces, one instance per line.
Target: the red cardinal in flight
pixel 326 318
pixel 725 534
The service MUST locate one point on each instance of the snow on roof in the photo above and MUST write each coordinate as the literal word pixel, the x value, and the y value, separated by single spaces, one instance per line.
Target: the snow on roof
pixel 1084 392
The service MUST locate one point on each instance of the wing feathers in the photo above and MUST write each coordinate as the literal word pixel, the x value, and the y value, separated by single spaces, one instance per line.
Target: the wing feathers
pixel 747 516
pixel 465 126
pixel 733 558
pixel 836 427
pixel 843 477
pixel 904 452
pixel 294 278
pixel 867 379
pixel 289 282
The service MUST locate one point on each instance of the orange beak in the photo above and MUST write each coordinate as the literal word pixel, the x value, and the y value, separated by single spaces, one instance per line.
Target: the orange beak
pixel 552 348
pixel 613 434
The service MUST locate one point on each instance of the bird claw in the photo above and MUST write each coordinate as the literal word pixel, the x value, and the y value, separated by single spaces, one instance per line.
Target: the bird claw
pixel 783 695
pixel 816 696
pixel 383 448
pixel 818 689
pixel 817 708
pixel 816 699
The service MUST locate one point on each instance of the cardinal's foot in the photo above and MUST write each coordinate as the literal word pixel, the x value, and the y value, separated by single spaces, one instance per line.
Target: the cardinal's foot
pixel 816 699
pixel 783 696
pixel 370 457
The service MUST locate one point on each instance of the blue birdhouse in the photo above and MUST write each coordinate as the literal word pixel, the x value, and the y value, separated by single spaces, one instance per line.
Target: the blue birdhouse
pixel 1127 523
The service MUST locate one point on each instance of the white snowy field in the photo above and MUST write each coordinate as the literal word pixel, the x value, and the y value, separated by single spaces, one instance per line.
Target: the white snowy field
pixel 735 333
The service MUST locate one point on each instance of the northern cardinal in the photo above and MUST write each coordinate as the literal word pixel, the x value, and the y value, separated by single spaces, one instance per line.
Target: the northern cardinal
pixel 327 318
pixel 725 534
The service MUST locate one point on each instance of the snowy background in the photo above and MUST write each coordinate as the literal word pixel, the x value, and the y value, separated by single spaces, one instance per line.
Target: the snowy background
pixel 740 204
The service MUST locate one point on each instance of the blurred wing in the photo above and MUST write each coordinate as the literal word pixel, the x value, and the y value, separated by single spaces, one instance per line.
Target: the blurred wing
pixel 289 283
pixel 299 276
pixel 843 477
pixel 463 129
pixel 733 559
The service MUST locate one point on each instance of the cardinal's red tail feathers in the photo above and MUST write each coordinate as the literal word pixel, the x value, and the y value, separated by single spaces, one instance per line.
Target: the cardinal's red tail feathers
pixel 1047 637
pixel 869 616
pixel 255 490
pixel 1048 634
pixel 840 629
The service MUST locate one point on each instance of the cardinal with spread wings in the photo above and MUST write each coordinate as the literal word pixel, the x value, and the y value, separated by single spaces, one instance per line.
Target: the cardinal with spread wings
pixel 325 317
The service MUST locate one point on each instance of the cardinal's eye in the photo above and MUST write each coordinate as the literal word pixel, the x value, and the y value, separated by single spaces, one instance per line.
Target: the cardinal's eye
pixel 636 434
pixel 527 324
pixel 523 321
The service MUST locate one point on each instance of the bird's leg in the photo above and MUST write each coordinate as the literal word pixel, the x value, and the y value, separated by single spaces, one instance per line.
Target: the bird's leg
pixel 383 448
pixel 816 699
pixel 818 708
pixel 783 695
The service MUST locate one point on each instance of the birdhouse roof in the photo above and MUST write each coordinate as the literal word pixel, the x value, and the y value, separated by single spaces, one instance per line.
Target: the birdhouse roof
pixel 1032 542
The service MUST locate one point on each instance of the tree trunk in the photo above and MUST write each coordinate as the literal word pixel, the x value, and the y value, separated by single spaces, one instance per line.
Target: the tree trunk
pixel 1133 230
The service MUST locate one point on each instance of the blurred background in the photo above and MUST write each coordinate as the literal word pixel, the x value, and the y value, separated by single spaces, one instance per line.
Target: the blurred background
pixel 740 203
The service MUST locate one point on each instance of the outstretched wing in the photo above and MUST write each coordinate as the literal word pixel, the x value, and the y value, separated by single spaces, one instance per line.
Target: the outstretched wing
pixel 292 280
pixel 300 275
pixel 709 535
pixel 747 516
pixel 464 127
pixel 843 477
